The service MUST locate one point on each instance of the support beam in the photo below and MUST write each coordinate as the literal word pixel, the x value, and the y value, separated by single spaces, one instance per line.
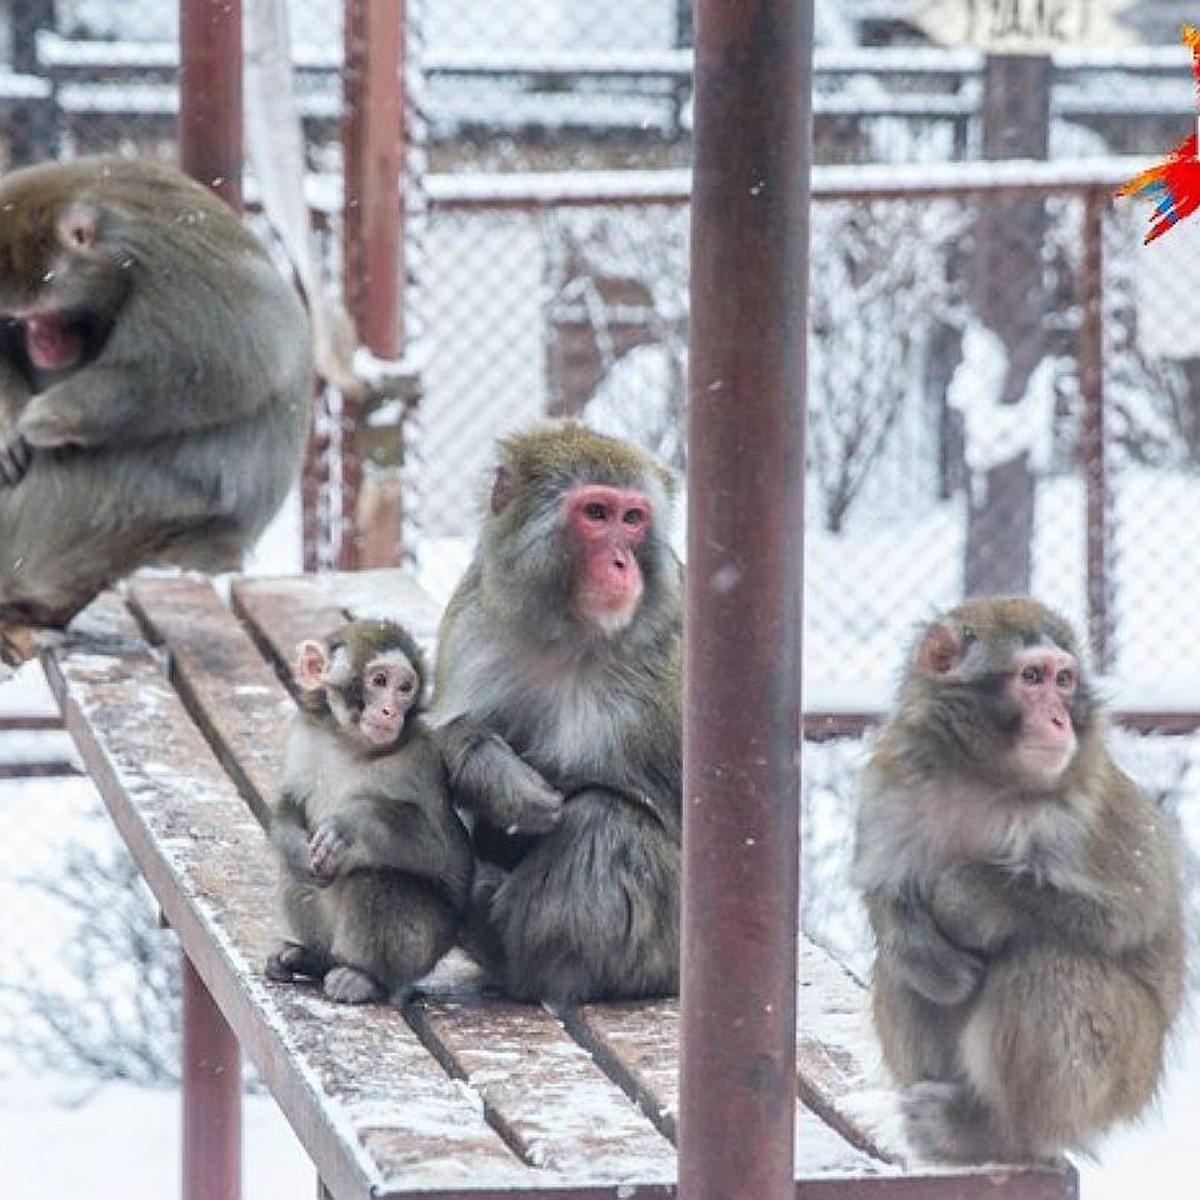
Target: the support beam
pixel 749 273
pixel 212 1097
pixel 210 95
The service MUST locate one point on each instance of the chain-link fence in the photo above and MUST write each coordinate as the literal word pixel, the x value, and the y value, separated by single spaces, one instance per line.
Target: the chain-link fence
pixel 969 430
pixel 1001 378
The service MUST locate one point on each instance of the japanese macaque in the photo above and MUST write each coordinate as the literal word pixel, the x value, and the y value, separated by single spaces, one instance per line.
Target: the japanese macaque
pixel 558 692
pixel 1024 895
pixel 376 867
pixel 154 383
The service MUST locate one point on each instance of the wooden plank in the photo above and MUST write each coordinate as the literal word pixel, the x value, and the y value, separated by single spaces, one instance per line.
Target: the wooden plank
pixel 841 1078
pixel 838 1067
pixel 233 696
pixel 637 1044
pixel 548 1098
pixel 376 1113
pixel 282 612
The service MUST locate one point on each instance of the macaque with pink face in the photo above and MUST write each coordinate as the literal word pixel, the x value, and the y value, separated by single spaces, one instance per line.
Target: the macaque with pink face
pixel 376 867
pixel 558 706
pixel 1023 893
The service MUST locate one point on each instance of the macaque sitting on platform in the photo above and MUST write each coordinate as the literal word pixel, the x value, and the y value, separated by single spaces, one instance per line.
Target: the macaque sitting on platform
pixel 1024 896
pixel 376 868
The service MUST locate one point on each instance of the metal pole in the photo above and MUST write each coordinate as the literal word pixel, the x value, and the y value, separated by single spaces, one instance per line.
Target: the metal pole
pixel 749 268
pixel 210 95
pixel 372 140
pixel 212 1097
pixel 1092 440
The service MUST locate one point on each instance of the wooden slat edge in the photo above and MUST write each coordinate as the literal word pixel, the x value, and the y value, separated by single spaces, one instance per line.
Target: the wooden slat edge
pixel 235 698
pixel 582 1025
pixel 240 992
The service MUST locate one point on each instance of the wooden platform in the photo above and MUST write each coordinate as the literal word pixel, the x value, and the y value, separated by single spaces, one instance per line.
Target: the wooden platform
pixel 178 706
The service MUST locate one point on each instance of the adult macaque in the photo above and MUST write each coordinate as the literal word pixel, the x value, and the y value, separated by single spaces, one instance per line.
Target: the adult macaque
pixel 1025 896
pixel 558 696
pixel 154 383
pixel 376 866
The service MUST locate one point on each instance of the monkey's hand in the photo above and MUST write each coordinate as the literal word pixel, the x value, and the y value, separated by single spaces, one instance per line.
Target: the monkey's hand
pixel 921 955
pixel 15 457
pixel 976 905
pixel 492 781
pixel 940 971
pixel 330 851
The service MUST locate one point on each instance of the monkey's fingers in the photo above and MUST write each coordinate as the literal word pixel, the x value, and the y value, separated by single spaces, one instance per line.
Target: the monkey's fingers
pixel 15 457
pixel 327 848
pixel 535 806
pixel 950 976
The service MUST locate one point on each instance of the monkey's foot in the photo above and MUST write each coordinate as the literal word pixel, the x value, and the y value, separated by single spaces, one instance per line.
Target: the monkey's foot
pixel 349 985
pixel 18 644
pixel 947 1122
pixel 293 961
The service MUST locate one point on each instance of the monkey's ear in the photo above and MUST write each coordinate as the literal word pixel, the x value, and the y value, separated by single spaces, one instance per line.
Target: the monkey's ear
pixel 311 661
pixel 940 650
pixel 77 226
pixel 502 490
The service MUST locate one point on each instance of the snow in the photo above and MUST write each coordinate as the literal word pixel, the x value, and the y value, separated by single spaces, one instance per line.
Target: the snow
pixel 123 1143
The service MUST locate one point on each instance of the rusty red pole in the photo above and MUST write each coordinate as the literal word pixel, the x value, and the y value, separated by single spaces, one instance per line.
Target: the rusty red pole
pixel 210 150
pixel 212 1097
pixel 210 95
pixel 743 633
pixel 373 149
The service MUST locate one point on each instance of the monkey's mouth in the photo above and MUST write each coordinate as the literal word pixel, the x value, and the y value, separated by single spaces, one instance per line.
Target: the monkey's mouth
pixel 381 733
pixel 62 339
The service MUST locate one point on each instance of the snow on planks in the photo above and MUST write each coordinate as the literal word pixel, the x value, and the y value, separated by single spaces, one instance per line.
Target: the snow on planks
pixel 460 1093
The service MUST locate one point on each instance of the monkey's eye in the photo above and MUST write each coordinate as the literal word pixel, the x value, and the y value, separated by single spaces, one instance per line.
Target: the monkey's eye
pixel 407 686
pixel 379 679
pixel 634 516
pixel 1032 674
pixel 595 511
pixel 1065 678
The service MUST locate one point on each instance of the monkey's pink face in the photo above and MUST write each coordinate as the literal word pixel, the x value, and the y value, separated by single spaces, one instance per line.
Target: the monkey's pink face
pixel 389 690
pixel 1043 686
pixel 606 526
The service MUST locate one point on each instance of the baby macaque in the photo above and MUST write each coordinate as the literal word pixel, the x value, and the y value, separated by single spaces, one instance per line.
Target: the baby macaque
pixel 376 866
pixel 1024 895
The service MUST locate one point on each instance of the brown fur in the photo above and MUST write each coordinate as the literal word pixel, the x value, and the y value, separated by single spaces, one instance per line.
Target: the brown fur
pixel 1029 937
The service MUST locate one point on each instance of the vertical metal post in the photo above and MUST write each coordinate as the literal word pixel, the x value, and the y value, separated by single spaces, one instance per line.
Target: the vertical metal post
pixel 1092 448
pixel 373 149
pixel 212 1097
pixel 210 95
pixel 749 268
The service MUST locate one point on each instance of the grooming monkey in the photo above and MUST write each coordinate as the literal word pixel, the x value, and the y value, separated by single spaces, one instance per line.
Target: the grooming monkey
pixel 154 383
pixel 376 866
pixel 558 704
pixel 1024 895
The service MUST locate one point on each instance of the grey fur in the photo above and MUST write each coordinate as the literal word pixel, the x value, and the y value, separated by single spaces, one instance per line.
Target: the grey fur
pixel 563 740
pixel 179 439
pixel 376 867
